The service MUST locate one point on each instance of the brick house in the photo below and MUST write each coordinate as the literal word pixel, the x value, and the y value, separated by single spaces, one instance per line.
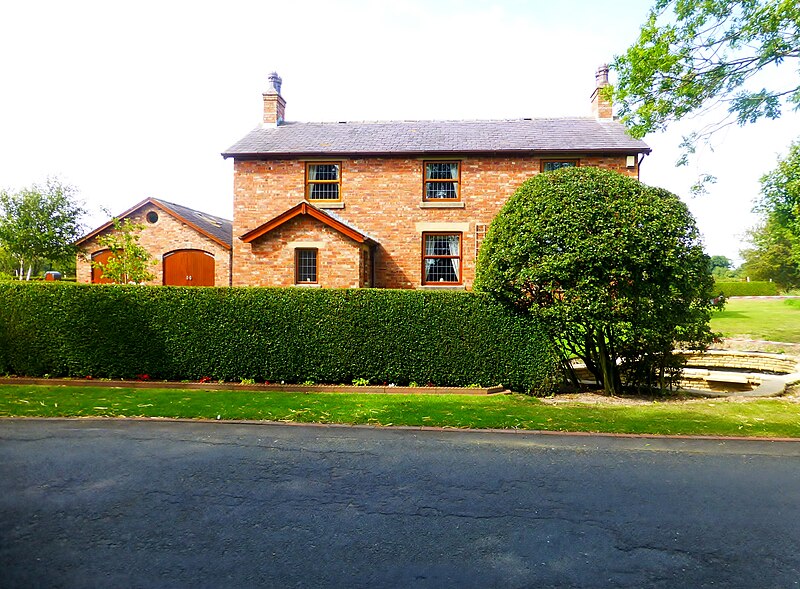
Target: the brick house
pixel 190 248
pixel 395 204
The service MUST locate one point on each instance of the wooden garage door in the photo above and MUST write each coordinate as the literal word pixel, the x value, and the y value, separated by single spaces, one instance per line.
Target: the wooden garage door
pixel 189 268
pixel 97 274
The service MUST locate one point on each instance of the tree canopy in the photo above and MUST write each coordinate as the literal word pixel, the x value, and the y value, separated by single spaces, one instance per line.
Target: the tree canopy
pixel 780 192
pixel 40 223
pixel 695 54
pixel 719 265
pixel 775 254
pixel 615 270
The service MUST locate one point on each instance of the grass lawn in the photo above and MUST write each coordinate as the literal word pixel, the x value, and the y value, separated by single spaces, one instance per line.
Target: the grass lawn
pixel 769 417
pixel 760 319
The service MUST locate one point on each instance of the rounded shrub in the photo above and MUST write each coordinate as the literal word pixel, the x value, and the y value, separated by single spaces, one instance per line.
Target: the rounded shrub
pixel 614 269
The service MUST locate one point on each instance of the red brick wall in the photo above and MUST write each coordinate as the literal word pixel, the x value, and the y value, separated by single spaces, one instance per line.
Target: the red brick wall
pixel 382 197
pixel 165 235
pixel 272 257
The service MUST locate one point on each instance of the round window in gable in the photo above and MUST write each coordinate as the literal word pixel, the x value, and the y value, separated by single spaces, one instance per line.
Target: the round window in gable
pixel 152 217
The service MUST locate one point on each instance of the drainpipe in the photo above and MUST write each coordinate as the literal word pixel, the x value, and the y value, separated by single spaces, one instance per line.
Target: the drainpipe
pixel 639 166
pixel 372 251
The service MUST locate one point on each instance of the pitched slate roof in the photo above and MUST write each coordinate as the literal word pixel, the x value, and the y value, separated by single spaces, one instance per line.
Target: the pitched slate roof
pixel 304 208
pixel 437 137
pixel 215 228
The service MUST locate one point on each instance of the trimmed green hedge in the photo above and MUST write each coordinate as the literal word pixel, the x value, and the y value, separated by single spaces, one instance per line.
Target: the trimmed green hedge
pixel 270 334
pixel 745 289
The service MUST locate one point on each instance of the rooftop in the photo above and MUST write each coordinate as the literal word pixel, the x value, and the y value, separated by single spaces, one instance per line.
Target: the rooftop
pixel 508 136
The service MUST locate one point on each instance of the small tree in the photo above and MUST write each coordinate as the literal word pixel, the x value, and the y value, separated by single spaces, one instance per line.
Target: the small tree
pixel 129 262
pixel 613 268
pixel 40 223
pixel 720 266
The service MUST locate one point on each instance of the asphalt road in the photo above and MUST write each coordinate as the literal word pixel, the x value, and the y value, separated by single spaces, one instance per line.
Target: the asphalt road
pixel 93 503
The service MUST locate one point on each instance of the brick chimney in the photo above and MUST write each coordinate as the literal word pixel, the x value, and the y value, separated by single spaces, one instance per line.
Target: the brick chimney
pixel 274 104
pixel 601 106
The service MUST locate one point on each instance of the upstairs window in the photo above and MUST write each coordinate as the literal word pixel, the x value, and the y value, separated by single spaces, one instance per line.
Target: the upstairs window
pixel 323 181
pixel 441 181
pixel 305 266
pixel 550 165
pixel 441 258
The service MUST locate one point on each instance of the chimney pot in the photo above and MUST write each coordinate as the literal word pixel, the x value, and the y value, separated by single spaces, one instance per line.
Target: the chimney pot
pixel 274 81
pixel 601 77
pixel 601 106
pixel 274 104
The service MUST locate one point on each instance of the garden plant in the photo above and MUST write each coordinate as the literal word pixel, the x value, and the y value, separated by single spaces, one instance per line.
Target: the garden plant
pixel 613 269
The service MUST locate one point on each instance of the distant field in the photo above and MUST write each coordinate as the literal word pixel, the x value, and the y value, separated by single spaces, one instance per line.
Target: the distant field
pixel 761 319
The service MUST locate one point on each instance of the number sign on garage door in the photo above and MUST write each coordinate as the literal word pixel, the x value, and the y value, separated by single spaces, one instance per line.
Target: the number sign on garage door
pixel 188 268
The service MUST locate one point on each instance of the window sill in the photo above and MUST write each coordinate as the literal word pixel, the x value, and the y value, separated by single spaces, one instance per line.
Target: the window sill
pixel 442 287
pixel 321 204
pixel 427 204
pixel 301 285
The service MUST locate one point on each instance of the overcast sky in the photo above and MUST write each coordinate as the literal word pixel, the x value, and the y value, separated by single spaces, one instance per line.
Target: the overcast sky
pixel 135 100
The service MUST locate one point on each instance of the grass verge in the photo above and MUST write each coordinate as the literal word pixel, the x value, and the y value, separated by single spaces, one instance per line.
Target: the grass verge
pixel 760 319
pixel 769 417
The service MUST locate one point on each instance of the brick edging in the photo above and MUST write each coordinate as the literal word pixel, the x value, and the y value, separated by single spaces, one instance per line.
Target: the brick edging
pixel 264 388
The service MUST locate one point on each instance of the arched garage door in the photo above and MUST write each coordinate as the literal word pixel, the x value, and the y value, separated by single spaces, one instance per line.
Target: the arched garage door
pixel 97 274
pixel 189 268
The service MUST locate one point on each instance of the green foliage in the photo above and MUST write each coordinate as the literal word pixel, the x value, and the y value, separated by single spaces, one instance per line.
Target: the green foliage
pixel 692 54
pixel 613 268
pixel 130 262
pixel 755 288
pixel 780 192
pixel 775 253
pixel 290 335
pixel 8 265
pixel 40 223
pixel 772 256
pixel 719 262
pixel 720 266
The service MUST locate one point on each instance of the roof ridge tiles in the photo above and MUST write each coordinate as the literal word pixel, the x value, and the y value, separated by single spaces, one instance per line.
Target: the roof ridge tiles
pixel 396 121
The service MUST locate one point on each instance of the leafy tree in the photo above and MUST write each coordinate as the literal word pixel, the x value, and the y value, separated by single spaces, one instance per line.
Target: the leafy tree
pixel 614 269
pixel 719 266
pixel 722 267
pixel 130 262
pixel 40 223
pixel 780 195
pixel 693 54
pixel 775 254
pixel 772 255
